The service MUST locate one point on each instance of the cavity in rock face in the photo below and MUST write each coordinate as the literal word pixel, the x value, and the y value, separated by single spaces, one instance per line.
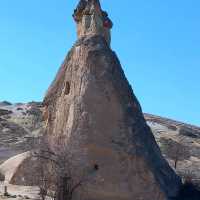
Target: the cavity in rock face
pixel 92 104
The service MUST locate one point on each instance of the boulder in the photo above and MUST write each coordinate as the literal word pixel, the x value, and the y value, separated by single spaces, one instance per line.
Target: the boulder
pixel 10 167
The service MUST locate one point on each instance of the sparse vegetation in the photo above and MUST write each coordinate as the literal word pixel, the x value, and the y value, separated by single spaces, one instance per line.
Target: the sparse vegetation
pixel 58 173
pixel 176 151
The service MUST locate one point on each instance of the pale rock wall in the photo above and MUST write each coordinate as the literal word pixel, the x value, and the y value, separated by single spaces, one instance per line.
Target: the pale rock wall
pixel 102 113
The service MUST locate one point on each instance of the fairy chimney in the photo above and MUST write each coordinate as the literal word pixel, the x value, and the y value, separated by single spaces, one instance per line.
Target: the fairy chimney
pixel 91 100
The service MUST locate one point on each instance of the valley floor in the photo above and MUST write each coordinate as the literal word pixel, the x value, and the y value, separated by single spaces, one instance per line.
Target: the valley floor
pixel 19 192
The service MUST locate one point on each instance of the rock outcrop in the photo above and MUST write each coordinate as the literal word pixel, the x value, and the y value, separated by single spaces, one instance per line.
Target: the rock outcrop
pixel 10 167
pixel 92 20
pixel 91 100
pixel 5 112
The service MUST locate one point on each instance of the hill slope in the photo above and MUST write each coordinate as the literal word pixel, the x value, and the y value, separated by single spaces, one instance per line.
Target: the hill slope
pixel 178 136
pixel 20 124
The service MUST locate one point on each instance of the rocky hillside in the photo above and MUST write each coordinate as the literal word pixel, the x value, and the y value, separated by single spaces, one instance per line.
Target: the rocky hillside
pixel 180 140
pixel 20 124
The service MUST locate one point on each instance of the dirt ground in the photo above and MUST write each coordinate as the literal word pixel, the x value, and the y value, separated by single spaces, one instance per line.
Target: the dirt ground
pixel 19 192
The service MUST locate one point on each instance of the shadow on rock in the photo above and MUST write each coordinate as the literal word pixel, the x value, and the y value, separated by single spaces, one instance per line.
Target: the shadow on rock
pixel 188 191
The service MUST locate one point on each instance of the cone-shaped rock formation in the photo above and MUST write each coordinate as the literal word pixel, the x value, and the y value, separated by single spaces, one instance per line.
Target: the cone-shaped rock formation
pixel 91 99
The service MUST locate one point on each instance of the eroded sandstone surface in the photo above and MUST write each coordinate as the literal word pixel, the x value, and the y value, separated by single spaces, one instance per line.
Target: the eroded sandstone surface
pixel 91 101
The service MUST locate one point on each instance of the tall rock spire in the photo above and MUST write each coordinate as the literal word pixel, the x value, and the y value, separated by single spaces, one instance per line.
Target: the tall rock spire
pixel 92 20
pixel 91 101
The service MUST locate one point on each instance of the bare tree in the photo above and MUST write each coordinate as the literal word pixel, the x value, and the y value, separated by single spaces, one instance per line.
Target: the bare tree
pixel 2 177
pixel 59 167
pixel 187 176
pixel 43 177
pixel 175 151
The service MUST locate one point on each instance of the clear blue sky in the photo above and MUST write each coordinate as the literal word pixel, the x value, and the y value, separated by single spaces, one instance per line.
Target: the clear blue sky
pixel 158 43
